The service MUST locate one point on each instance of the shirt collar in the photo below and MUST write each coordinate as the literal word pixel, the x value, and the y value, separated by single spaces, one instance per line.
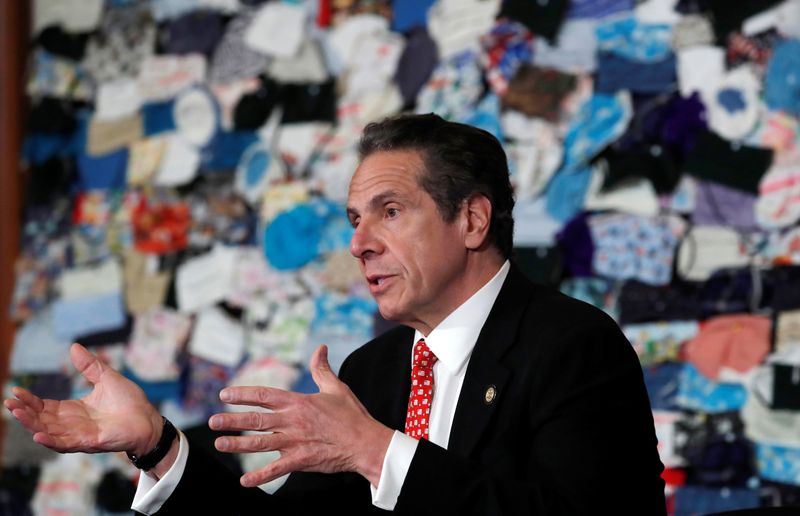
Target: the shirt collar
pixel 453 339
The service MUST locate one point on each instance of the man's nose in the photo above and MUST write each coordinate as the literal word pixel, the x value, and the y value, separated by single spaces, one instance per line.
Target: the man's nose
pixel 364 241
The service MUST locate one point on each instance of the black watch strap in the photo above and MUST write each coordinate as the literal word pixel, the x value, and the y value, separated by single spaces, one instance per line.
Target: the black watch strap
pixel 148 461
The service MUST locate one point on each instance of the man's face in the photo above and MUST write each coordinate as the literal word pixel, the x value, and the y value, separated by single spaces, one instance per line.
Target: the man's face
pixel 411 258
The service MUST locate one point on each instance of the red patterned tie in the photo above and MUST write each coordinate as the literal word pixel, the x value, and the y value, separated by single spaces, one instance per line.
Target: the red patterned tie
pixel 421 396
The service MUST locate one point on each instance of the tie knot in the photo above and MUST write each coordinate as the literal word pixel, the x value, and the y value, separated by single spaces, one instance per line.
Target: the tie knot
pixel 423 356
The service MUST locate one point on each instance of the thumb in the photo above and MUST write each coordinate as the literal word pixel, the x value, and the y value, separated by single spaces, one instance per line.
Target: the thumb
pixel 321 371
pixel 86 363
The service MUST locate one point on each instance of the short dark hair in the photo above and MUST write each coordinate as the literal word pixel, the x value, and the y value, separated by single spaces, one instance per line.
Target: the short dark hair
pixel 459 161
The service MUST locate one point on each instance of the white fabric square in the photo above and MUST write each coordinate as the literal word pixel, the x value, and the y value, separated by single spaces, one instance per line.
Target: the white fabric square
pixel 180 163
pixel 205 280
pixel 162 77
pixel 277 29
pixel 698 67
pixel 117 99
pixel 217 338
pixel 71 15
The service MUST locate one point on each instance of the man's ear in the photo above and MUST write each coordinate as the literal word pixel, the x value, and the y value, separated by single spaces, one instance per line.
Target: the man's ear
pixel 478 213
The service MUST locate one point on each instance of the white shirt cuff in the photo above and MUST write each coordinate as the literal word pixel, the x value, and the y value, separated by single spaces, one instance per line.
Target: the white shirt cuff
pixel 395 467
pixel 151 493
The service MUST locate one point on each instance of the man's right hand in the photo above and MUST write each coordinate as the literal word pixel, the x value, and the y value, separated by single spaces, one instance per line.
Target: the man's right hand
pixel 115 416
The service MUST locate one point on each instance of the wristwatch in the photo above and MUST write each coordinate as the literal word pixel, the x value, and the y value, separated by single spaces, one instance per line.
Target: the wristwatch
pixel 148 461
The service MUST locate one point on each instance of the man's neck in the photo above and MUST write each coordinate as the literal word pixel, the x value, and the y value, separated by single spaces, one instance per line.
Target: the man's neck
pixel 476 276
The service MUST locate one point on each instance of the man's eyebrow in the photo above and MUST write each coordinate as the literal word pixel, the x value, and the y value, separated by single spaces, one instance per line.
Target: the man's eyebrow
pixel 378 201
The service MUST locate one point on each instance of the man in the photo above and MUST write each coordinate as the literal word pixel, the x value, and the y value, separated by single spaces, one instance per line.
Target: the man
pixel 524 401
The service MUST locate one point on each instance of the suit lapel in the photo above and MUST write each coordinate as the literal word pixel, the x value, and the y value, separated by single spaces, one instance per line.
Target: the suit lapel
pixel 395 371
pixel 486 377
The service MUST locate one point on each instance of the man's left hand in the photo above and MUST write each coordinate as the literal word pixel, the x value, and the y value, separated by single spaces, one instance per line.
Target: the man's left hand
pixel 327 432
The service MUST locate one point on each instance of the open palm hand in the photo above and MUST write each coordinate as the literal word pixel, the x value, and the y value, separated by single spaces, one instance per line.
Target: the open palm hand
pixel 115 416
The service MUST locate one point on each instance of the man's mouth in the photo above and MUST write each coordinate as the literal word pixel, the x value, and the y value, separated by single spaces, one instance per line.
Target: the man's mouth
pixel 377 279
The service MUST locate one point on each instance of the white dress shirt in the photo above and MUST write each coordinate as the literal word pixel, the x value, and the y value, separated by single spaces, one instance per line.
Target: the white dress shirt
pixel 151 493
pixel 451 341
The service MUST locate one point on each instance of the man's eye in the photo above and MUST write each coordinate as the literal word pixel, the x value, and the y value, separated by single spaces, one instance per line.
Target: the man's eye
pixel 392 212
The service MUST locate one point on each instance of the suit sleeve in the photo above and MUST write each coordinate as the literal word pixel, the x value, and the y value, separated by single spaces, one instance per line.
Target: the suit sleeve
pixel 584 442
pixel 209 487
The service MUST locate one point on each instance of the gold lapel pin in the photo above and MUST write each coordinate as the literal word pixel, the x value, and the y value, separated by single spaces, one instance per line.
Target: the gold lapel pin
pixel 491 393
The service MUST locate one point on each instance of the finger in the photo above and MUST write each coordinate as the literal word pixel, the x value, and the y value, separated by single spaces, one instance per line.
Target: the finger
pixel 244 421
pixel 28 398
pixel 251 443
pixel 13 404
pixel 256 396
pixel 86 363
pixel 10 404
pixel 270 472
pixel 57 443
pixel 45 439
pixel 321 371
pixel 28 419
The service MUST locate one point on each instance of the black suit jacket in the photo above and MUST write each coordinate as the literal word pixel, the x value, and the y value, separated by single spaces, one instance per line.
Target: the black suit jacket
pixel 569 431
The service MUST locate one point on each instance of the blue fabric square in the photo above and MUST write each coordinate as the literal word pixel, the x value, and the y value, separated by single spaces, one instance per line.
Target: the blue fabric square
pixel 297 236
pixel 226 149
pixel 566 191
pixel 663 382
pixel 782 80
pixel 629 38
pixel 778 463
pixel 157 118
pixel 696 392
pixel 697 500
pixel 615 73
pixel 407 14
pixel 106 172
pixel 79 316
pixel 39 147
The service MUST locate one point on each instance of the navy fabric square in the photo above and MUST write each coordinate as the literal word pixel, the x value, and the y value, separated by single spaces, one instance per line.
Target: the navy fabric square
pixel 662 385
